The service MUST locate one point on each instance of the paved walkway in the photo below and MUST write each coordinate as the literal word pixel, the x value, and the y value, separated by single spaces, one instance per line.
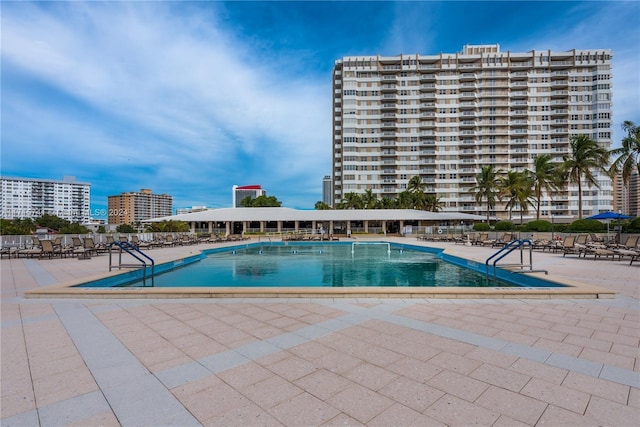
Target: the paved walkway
pixel 308 362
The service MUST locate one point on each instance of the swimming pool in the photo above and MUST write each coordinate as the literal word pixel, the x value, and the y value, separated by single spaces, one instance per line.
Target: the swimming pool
pixel 317 264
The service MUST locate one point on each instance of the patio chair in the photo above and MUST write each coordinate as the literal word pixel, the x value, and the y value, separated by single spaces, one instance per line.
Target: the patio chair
pixel 502 240
pixel 90 246
pixel 630 248
pixel 49 250
pixel 569 246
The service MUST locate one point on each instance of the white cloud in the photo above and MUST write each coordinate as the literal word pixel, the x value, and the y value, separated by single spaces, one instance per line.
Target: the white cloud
pixel 182 84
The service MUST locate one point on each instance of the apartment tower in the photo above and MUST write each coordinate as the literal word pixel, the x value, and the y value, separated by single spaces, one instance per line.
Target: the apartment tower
pixel 33 197
pixel 444 116
pixel 133 207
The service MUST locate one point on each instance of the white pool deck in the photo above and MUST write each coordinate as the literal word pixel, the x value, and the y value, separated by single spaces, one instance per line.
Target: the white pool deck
pixel 546 360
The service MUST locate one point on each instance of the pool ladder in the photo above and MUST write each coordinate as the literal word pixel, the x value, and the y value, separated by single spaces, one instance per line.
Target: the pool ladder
pixel 506 250
pixel 134 252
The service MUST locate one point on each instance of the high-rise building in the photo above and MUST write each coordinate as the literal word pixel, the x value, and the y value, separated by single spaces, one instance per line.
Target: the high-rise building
pixel 133 207
pixel 239 193
pixel 327 190
pixel 444 116
pixel 33 197
pixel 626 198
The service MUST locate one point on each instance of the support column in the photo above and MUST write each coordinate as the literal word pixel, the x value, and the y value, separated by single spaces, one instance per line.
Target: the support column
pixel 366 227
pixel 228 228
pixel 244 227
pixel 279 226
pixel 348 228
pixel 296 226
pixel 193 226
pixel 210 226
pixel 401 227
pixel 262 226
pixel 384 227
pixel 313 227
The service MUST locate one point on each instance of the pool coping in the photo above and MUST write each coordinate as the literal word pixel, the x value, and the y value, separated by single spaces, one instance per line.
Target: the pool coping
pixel 570 289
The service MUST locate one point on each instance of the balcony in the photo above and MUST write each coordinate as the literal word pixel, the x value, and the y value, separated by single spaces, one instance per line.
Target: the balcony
pixel 520 75
pixel 559 75
pixel 428 87
pixel 427 124
pixel 467 76
pixel 519 94
pixel 427 77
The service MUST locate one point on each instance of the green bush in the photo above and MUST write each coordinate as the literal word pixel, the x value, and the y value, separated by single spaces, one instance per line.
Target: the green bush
pixel 632 227
pixel 586 226
pixel 540 225
pixel 481 226
pixel 503 226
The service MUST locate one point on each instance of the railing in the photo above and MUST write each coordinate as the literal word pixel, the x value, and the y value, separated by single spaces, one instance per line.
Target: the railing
pixel 506 250
pixel 132 250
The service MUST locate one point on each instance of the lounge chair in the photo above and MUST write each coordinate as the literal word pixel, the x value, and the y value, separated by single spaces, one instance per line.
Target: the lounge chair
pixel 569 246
pixel 49 250
pixel 78 248
pixel 630 248
pixel 502 240
pixel 598 250
pixel 90 246
pixel 33 250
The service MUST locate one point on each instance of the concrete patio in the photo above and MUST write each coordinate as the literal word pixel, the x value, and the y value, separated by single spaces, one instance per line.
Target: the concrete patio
pixel 330 361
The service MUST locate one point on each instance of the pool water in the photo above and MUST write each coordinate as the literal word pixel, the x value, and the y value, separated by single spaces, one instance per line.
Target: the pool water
pixel 320 265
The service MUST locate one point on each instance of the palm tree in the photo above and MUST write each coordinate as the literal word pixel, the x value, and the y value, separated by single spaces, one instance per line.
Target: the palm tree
pixel 369 200
pixel 415 185
pixel 544 178
pixel 486 187
pixel 586 155
pixel 432 203
pixel 629 154
pixel 352 201
pixel 405 200
pixel 517 187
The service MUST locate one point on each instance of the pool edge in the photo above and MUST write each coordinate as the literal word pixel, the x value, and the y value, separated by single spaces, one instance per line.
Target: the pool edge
pixel 570 290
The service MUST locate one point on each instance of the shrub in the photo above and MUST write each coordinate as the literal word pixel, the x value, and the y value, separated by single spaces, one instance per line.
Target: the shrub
pixel 586 226
pixel 632 227
pixel 540 225
pixel 481 226
pixel 503 226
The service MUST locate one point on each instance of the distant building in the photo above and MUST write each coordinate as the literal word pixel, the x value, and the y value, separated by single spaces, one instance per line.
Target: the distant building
pixel 241 193
pixel 132 207
pixel 626 198
pixel 327 190
pixel 33 197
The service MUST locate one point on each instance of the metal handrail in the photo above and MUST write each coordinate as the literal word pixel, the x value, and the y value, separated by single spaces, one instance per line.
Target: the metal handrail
pixel 508 248
pixel 131 249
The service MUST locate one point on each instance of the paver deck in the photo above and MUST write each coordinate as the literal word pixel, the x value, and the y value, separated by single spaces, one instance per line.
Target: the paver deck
pixel 326 361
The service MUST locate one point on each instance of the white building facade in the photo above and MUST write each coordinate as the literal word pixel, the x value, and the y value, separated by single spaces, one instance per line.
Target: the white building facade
pixel 33 197
pixel 239 193
pixel 444 116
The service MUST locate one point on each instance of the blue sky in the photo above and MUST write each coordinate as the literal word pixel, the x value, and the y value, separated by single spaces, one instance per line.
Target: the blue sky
pixel 190 98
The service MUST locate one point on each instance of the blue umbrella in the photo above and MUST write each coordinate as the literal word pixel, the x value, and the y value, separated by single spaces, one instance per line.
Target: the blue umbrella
pixel 609 215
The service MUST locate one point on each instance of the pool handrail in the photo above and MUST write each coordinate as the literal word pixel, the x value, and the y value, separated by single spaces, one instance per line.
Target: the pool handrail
pixel 131 249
